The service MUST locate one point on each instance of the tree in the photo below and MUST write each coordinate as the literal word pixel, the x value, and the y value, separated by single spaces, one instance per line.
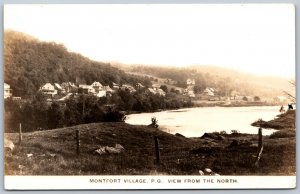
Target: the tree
pixel 164 88
pixel 291 95
pixel 256 98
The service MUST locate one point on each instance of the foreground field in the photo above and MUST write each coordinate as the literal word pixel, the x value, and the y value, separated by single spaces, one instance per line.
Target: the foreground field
pixel 53 152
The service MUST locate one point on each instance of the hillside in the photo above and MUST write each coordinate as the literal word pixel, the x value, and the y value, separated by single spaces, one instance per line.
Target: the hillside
pixel 53 152
pixel 226 80
pixel 30 63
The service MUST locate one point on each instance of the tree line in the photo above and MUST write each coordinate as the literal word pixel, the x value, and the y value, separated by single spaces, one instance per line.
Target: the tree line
pixel 37 113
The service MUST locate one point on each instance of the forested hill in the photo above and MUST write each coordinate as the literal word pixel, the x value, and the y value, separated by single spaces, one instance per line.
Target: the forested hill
pixel 29 63
pixel 224 79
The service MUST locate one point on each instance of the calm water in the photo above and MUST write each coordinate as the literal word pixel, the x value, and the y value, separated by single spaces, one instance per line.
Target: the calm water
pixel 193 122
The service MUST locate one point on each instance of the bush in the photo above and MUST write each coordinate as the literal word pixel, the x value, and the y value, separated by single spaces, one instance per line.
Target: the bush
pixel 235 132
pixel 283 134
pixel 114 116
pixel 154 122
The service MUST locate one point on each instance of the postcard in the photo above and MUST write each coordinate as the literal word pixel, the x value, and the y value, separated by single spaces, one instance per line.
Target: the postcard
pixel 149 96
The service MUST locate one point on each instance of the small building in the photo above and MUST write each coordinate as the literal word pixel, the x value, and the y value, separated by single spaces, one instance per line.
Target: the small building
pixel 208 92
pixel 156 86
pixel 115 86
pixel 7 91
pixel 97 86
pixel 160 92
pixel 59 89
pixel 48 89
pixel 101 93
pixel 190 81
pixel 150 91
pixel 139 86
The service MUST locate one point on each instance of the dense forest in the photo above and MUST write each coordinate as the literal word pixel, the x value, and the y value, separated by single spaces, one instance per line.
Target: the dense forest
pixel 30 63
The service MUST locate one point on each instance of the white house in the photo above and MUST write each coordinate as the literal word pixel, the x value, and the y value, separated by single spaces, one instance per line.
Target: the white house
pixel 160 92
pixel 115 86
pixel 7 91
pixel 190 81
pixel 208 92
pixel 97 86
pixel 48 89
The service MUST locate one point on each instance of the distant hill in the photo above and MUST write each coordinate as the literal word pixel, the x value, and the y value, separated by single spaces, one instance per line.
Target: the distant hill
pixel 30 63
pixel 222 78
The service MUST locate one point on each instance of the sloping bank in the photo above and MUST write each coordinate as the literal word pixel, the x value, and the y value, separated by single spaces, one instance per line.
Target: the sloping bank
pixel 54 152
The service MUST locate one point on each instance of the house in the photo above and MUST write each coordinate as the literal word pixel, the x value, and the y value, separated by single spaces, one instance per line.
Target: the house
pixel 139 86
pixel 160 92
pixel 115 86
pixel 97 86
pixel 101 93
pixel 68 87
pixel 87 89
pixel 59 89
pixel 191 94
pixel 48 89
pixel 208 92
pixel 128 87
pixel 7 91
pixel 156 86
pixel 150 91
pixel 190 81
pixel 107 89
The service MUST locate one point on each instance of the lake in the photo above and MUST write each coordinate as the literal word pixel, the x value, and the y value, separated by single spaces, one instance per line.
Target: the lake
pixel 194 122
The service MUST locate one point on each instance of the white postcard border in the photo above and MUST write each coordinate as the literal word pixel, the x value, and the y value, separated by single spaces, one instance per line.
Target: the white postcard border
pixel 148 182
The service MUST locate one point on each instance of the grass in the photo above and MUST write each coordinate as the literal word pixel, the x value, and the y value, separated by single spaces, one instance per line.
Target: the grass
pixel 283 121
pixel 284 133
pixel 54 153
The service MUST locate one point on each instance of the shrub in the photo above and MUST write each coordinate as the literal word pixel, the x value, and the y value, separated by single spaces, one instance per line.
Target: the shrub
pixel 235 132
pixel 154 122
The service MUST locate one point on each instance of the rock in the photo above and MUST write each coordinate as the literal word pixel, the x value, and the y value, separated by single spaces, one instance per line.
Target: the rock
pixel 100 151
pixel 114 135
pixel 110 150
pixel 212 136
pixel 201 173
pixel 208 171
pixel 119 146
pixel 9 145
pixel 179 135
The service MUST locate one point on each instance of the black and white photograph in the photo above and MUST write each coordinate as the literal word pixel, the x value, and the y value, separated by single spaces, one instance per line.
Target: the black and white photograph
pixel 149 96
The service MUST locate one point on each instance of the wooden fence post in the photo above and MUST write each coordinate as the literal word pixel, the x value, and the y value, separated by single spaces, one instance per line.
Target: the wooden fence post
pixel 156 150
pixel 77 142
pixel 20 134
pixel 260 147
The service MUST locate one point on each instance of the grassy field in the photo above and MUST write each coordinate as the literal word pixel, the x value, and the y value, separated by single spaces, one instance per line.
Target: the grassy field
pixel 53 152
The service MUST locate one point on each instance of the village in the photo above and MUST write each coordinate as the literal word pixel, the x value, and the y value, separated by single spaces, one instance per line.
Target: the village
pixel 61 92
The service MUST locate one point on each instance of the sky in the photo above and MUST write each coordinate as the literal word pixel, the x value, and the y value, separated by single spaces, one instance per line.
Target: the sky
pixel 254 38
